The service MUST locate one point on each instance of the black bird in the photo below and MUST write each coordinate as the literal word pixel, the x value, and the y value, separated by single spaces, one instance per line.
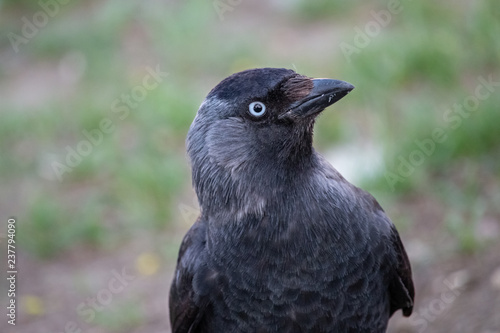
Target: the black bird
pixel 283 243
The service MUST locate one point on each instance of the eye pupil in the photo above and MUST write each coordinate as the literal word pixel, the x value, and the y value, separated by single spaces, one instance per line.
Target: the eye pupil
pixel 257 109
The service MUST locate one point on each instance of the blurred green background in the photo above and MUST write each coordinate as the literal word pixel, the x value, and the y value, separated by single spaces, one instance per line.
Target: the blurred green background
pixel 96 98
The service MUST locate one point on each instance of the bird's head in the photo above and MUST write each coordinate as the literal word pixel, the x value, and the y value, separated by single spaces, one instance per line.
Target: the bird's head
pixel 257 123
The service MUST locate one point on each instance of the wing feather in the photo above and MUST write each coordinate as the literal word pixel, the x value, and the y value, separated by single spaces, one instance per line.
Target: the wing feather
pixel 186 308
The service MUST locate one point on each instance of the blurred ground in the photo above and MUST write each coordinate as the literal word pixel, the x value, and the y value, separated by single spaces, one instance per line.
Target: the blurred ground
pixel 96 98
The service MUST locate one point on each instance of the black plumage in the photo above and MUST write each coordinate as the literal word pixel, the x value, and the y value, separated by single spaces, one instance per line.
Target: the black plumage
pixel 283 243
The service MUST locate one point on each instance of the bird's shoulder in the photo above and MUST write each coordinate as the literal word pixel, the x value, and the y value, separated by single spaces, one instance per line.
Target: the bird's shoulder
pixel 186 306
pixel 192 243
pixel 401 288
pixel 353 197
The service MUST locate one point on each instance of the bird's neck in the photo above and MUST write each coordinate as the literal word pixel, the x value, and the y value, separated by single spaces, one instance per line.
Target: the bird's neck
pixel 250 189
pixel 237 167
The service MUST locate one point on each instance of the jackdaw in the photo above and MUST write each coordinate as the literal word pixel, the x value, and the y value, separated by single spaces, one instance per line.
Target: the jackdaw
pixel 283 242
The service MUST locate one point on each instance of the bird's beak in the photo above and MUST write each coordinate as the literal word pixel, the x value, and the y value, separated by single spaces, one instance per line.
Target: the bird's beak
pixel 324 93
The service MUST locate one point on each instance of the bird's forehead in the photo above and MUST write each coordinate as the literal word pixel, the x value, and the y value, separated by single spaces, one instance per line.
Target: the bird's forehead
pixel 250 83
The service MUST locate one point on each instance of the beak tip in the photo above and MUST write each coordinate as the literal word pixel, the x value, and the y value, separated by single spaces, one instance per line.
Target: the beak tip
pixel 321 84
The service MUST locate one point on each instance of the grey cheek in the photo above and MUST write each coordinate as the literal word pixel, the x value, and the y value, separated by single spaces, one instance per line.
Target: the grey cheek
pixel 229 143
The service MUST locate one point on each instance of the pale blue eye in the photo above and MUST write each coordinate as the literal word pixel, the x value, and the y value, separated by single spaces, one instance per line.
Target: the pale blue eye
pixel 257 109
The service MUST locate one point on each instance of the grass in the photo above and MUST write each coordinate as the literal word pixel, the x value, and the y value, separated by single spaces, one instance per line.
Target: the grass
pixel 426 59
